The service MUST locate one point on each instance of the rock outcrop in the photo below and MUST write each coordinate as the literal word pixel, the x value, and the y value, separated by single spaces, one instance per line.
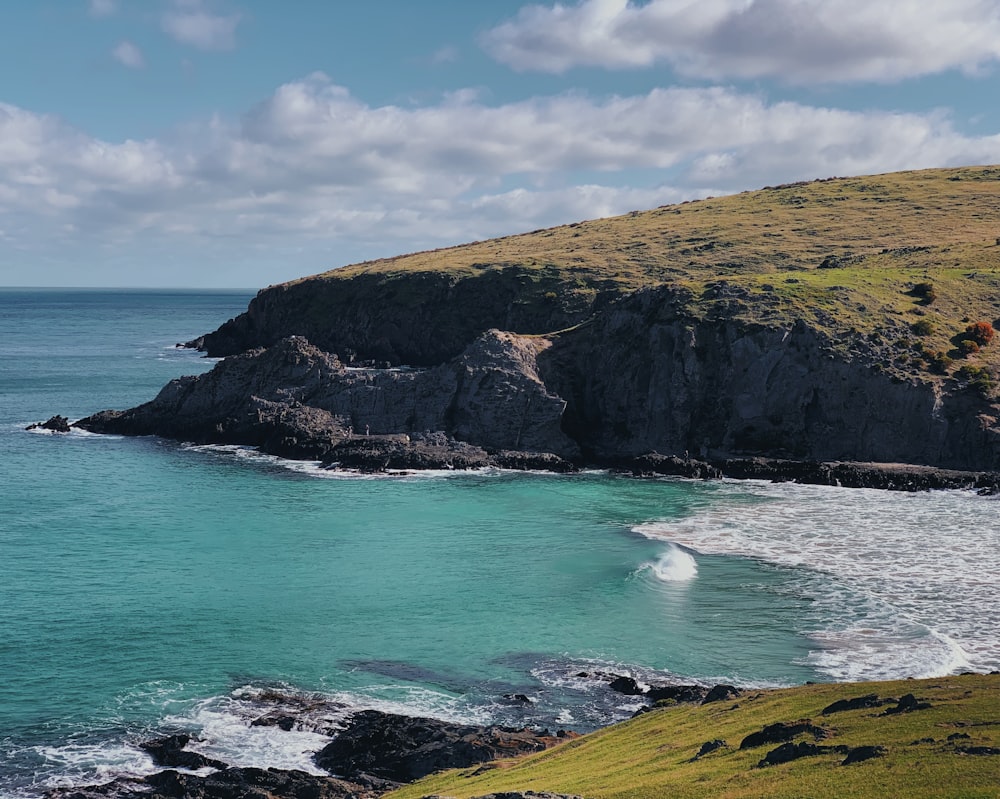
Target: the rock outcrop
pixel 644 383
pixel 403 749
pixel 488 406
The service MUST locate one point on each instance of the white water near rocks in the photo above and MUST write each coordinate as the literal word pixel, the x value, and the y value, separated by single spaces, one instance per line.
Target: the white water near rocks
pixel 148 587
pixel 915 575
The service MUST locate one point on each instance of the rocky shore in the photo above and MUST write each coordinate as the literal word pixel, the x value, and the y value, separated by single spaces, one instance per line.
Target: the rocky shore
pixel 375 752
pixel 490 407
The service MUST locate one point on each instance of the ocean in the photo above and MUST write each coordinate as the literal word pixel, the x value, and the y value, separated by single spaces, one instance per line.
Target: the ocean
pixel 149 586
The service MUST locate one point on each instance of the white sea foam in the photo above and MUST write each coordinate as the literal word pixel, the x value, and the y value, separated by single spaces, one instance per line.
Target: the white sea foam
pixel 75 764
pixel 675 566
pixel 229 736
pixel 905 584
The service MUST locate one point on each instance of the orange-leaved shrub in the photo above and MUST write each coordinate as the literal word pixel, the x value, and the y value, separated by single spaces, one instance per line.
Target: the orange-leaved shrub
pixel 980 332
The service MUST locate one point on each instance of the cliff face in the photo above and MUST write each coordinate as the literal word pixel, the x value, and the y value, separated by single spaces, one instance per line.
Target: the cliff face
pixel 643 376
pixel 647 376
pixel 418 319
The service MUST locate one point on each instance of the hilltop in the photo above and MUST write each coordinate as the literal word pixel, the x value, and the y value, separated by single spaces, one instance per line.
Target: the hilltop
pixel 842 254
pixel 847 319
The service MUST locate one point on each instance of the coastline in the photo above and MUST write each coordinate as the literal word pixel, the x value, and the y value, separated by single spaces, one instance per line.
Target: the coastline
pixel 400 453
pixel 825 726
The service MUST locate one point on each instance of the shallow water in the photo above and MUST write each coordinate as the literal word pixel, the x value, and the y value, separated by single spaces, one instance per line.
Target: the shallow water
pixel 148 586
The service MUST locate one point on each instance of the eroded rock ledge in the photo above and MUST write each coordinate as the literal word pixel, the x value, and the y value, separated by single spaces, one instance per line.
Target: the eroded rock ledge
pixel 486 407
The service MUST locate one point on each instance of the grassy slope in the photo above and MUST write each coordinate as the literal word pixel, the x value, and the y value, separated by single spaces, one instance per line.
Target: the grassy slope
pixel 889 233
pixel 652 756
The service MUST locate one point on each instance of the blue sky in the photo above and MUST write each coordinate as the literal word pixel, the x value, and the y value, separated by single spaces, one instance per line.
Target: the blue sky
pixel 214 143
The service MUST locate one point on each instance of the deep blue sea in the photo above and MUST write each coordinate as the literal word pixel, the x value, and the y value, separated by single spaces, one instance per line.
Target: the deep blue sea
pixel 149 586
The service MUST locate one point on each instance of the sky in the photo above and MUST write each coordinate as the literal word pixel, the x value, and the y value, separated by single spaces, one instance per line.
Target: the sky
pixel 241 143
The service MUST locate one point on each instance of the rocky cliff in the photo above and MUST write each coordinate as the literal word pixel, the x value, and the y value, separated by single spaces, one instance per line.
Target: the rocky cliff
pixel 649 376
pixel 789 323
pixel 646 375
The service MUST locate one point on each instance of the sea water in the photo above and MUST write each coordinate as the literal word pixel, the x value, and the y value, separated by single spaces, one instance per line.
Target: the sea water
pixel 149 586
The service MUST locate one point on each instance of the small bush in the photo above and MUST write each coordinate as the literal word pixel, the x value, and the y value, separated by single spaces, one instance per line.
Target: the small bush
pixel 937 362
pixel 968 347
pixel 925 291
pixel 980 332
pixel 923 328
pixel 978 378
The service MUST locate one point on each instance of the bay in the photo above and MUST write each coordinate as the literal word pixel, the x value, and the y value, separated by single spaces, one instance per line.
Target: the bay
pixel 148 585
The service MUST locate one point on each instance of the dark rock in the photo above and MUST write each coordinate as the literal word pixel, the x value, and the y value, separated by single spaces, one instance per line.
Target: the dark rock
pixel 720 693
pixel 710 746
pixel 403 749
pixel 57 424
pixel 959 736
pixel 280 720
pixel 776 733
pixel 521 699
pixel 978 750
pixel 170 752
pixel 907 704
pixel 229 783
pixel 676 693
pixel 861 753
pixel 626 685
pixel 856 703
pixel 487 407
pixel 788 752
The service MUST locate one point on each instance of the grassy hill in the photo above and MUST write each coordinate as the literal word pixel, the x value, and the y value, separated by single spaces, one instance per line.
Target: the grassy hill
pixel 949 749
pixel 844 255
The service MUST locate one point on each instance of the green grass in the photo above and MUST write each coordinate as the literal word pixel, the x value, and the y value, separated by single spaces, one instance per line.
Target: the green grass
pixel 652 755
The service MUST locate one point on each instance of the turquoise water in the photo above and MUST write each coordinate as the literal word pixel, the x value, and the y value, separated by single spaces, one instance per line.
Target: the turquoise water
pixel 147 585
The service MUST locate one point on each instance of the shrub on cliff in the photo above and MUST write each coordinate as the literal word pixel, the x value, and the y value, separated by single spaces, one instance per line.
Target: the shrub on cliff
pixel 978 378
pixel 937 362
pixel 981 333
pixel 923 328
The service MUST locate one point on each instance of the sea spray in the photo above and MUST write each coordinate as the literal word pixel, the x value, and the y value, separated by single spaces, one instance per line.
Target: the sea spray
pixel 675 566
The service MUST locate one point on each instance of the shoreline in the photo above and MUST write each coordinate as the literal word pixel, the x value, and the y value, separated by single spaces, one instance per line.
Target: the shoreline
pixel 376 753
pixel 401 453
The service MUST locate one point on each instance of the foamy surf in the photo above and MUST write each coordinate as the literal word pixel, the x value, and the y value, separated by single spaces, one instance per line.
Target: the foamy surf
pixel 902 585
pixel 675 566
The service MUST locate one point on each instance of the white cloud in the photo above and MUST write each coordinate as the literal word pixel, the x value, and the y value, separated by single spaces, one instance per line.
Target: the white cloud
pixel 103 8
pixel 312 163
pixel 798 41
pixel 446 55
pixel 129 55
pixel 188 22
